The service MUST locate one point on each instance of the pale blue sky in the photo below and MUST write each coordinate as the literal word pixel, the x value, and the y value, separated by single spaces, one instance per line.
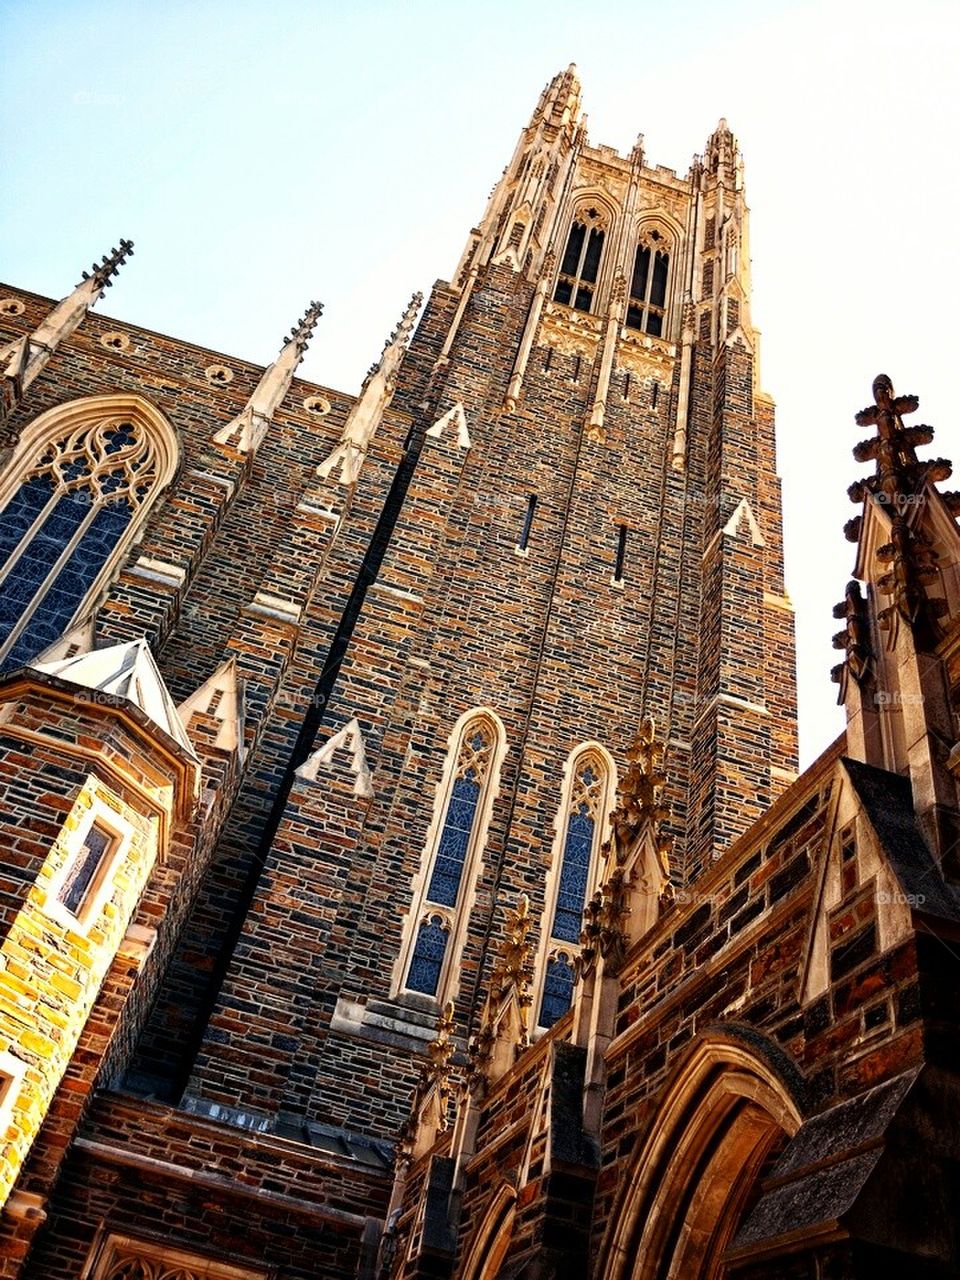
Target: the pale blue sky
pixel 262 154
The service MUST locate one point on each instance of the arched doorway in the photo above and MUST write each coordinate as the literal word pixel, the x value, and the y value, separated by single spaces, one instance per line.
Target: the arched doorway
pixel 727 1108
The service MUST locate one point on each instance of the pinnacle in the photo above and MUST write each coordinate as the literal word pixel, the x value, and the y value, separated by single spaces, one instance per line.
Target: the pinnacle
pixel 102 275
pixel 302 331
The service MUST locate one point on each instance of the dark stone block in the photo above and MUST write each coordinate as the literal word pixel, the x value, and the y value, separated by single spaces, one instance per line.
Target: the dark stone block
pixel 816 1017
pixel 692 925
pixel 849 955
pixel 789 877
pixel 749 867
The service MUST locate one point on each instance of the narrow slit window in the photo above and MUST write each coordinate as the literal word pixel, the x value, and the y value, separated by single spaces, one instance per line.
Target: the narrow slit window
pixel 527 522
pixel 621 553
pixel 654 394
pixel 580 266
pixel 86 870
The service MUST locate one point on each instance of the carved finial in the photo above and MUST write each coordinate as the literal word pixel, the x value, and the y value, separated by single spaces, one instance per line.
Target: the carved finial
pixel 637 154
pixel 510 981
pixel 102 275
pixel 640 791
pixel 434 1076
pixel 640 811
pixel 375 394
pixel 302 331
pixel 898 485
pixel 855 636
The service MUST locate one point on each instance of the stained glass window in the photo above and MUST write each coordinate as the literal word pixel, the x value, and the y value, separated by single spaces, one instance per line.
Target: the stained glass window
pixel 557 990
pixel 452 854
pixel 584 812
pixel 454 841
pixel 60 528
pixel 84 868
pixel 428 953
pixel 574 874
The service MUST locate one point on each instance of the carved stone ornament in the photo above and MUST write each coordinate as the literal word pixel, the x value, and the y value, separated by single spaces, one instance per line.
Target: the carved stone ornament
pixel 898 486
pixel 504 1025
pixel 636 819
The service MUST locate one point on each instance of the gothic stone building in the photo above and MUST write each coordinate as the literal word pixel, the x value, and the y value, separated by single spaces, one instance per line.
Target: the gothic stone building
pixel 405 871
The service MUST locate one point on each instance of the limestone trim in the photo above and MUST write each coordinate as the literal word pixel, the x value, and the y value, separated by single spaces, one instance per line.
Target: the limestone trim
pixel 349 738
pixel 454 919
pixel 724 1110
pixel 12 1071
pixel 122 1257
pixel 493 1236
pixel 69 444
pixel 600 800
pixel 72 841
pixel 607 219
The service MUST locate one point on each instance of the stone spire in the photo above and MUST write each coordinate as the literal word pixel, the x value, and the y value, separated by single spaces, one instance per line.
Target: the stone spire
pixel 23 360
pixel 895 685
pixel 897 486
pixel 375 394
pixel 559 103
pixel 247 430
pixel 722 155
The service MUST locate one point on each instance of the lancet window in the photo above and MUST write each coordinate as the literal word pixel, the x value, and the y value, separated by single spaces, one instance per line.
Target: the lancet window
pixel 71 503
pixel 588 792
pixel 451 863
pixel 580 267
pixel 647 304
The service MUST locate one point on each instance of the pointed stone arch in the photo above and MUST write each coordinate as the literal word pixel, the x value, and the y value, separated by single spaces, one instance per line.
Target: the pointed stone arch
pixel 430 910
pixel 731 1102
pixel 96 466
pixel 601 800
pixel 490 1245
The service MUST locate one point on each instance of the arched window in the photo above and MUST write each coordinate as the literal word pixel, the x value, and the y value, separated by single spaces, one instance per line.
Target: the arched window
pixel 453 854
pixel 647 304
pixel 557 989
pixel 81 480
pixel 580 267
pixel 588 793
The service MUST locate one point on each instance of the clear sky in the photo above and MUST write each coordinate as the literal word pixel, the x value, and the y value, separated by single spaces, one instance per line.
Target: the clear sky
pixel 263 154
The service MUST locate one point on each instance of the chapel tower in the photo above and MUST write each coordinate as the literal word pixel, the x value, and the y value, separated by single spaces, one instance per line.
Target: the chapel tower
pixel 582 527
pixel 410 636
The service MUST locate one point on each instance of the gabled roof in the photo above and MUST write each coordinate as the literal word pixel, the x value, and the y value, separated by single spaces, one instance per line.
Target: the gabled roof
pixel 888 803
pixel 125 671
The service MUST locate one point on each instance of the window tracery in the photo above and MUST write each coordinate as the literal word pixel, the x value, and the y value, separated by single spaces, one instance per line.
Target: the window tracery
pixel 452 861
pixel 647 303
pixel 584 809
pixel 123 1258
pixel 580 266
pixel 72 501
